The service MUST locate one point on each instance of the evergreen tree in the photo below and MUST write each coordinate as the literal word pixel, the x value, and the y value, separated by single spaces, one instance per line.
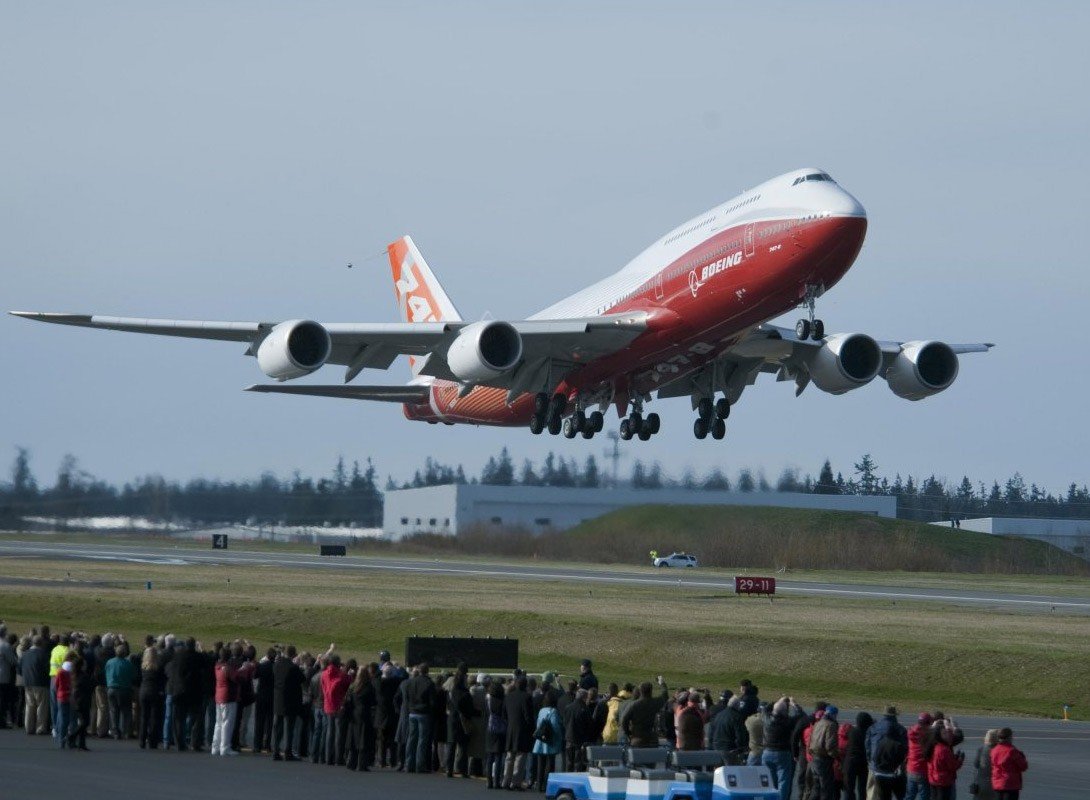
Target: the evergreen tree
pixel 745 481
pixel 826 483
pixel 654 477
pixel 23 484
pixel 505 469
pixel 716 481
pixel 528 476
pixel 639 475
pixel 788 480
pixel 867 471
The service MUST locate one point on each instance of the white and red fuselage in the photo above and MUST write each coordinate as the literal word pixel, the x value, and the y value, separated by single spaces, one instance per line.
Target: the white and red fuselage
pixel 702 286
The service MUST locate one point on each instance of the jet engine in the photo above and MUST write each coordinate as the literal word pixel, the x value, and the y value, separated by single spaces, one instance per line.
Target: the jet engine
pixel 293 349
pixel 484 350
pixel 922 369
pixel 844 362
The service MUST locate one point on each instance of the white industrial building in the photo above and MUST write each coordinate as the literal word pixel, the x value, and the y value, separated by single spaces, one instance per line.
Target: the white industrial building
pixel 1072 535
pixel 454 508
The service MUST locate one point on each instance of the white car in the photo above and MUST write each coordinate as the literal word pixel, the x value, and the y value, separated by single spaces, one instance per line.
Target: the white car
pixel 676 560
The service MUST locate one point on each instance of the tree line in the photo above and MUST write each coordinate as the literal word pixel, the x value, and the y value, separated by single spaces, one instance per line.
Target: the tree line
pixel 349 494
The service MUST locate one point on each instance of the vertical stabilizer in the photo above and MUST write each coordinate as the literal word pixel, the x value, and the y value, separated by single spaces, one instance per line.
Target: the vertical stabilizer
pixel 420 296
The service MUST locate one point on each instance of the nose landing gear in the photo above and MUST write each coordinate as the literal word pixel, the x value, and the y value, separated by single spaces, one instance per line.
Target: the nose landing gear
pixel 810 327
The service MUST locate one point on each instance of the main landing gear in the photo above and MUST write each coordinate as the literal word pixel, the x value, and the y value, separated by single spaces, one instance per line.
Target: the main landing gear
pixel 711 418
pixel 549 415
pixel 810 327
pixel 636 424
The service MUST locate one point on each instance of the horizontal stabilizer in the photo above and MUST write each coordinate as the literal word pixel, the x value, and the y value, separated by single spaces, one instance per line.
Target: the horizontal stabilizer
pixel 388 394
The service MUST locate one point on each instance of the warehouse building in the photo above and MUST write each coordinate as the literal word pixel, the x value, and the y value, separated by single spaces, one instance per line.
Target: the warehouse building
pixel 455 508
pixel 1072 535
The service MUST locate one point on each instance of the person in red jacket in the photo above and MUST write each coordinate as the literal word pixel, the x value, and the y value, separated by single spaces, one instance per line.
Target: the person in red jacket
pixel 226 670
pixel 335 682
pixel 62 683
pixel 916 786
pixel 942 763
pixel 1008 764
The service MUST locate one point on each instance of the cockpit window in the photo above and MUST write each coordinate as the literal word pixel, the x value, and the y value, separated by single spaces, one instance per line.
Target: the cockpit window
pixel 813 176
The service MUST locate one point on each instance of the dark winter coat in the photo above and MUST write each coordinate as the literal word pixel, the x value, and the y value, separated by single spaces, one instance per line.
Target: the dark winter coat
pixel 520 721
pixel 728 733
pixel 288 682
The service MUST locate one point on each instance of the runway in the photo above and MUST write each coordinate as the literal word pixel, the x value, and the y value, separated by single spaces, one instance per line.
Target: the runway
pixel 691 579
pixel 1059 769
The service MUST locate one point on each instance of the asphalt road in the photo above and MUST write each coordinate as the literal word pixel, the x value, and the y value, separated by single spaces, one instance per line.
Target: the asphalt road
pixel 31 767
pixel 693 579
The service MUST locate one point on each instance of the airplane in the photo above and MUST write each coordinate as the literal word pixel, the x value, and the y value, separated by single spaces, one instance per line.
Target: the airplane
pixel 687 317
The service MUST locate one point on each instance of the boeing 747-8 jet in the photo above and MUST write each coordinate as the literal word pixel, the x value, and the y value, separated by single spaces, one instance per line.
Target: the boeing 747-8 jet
pixel 688 317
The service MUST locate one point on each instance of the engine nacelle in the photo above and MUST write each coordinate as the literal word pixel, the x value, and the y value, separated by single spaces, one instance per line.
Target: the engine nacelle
pixel 844 362
pixel 484 350
pixel 922 369
pixel 293 349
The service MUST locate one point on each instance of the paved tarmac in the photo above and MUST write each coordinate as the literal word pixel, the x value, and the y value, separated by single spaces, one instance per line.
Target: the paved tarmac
pixel 31 767
pixel 694 579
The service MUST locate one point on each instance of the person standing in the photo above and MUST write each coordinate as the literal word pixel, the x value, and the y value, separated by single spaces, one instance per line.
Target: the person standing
pixel 119 680
pixel 639 718
pixel 495 734
pixel 916 787
pixel 779 727
pixel 288 680
pixel 576 718
pixel 460 715
pixel 518 712
pixel 263 702
pixel 1008 764
pixel 755 729
pixel 855 758
pixel 824 749
pixel 548 740
pixel 587 678
pixel 226 704
pixel 334 683
pixel 8 668
pixel 179 683
pixel 477 746
pixel 34 666
pixel 104 651
pixel 151 699
pixel 83 694
pixel 62 685
pixel 419 704
pixel 942 762
pixel 390 679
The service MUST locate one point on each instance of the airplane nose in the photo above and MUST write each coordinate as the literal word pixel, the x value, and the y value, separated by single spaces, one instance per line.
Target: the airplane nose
pixel 840 203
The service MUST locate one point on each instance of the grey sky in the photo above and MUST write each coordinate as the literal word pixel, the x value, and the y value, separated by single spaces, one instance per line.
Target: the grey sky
pixel 224 161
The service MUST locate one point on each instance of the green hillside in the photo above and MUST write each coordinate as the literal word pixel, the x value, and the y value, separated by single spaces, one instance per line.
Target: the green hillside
pixel 772 538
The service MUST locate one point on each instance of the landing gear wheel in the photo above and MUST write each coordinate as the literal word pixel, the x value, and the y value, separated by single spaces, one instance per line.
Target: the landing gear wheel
pixel 700 428
pixel 644 434
pixel 537 425
pixel 597 421
pixel 719 429
pixel 722 408
pixel 626 429
pixel 588 433
pixel 541 404
pixel 571 429
pixel 802 329
pixel 635 422
pixel 705 408
pixel 819 330
pixel 554 425
pixel 580 421
pixel 652 423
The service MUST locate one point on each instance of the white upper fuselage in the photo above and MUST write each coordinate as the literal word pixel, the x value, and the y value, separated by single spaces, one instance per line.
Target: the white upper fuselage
pixel 783 197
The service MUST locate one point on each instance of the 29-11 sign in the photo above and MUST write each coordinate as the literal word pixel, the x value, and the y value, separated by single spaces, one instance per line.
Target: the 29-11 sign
pixel 754 585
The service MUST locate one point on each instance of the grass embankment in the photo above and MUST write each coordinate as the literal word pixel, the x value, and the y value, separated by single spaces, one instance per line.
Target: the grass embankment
pixel 857 653
pixel 769 538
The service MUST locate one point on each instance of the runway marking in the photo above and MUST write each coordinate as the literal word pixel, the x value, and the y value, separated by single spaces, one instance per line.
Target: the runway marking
pixel 83 551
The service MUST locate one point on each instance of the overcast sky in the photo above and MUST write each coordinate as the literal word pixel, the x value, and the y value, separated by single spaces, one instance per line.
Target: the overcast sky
pixel 226 160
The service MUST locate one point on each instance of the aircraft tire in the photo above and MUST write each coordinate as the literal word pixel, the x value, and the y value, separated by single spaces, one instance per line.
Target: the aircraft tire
pixel 597 421
pixel 571 429
pixel 626 429
pixel 537 424
pixel 588 433
pixel 719 429
pixel 705 408
pixel 819 330
pixel 644 434
pixel 635 421
pixel 541 404
pixel 722 408
pixel 802 329
pixel 652 423
pixel 700 428
pixel 554 425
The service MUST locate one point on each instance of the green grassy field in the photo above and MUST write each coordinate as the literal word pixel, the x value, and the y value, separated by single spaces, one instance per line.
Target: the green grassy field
pixel 857 653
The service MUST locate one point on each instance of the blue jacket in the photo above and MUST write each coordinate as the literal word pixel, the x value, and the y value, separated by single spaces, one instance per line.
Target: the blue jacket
pixel 886 726
pixel 119 673
pixel 551 716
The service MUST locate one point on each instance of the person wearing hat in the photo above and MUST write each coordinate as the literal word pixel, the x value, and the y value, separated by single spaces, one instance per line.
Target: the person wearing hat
pixel 1008 764
pixel 916 787
pixel 587 678
pixel 981 787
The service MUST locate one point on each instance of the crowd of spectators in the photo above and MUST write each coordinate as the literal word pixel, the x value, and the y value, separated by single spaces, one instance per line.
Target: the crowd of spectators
pixel 513 730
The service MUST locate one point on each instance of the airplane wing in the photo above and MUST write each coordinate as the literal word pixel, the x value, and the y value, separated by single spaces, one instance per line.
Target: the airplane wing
pixel 770 349
pixel 389 394
pixel 375 345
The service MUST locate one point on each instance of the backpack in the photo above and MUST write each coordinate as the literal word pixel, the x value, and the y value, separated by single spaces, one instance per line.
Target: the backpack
pixel 889 755
pixel 545 732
